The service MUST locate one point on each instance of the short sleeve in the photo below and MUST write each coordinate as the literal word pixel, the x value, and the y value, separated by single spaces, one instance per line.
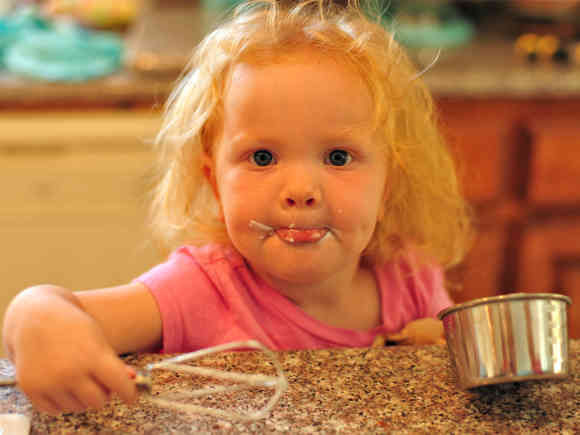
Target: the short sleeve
pixel 436 296
pixel 188 301
pixel 422 286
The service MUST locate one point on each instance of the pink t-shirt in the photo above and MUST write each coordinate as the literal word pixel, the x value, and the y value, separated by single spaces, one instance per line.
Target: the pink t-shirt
pixel 208 296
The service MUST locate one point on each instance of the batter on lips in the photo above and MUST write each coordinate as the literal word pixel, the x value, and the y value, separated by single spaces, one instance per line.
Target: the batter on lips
pixel 292 234
pixel 301 235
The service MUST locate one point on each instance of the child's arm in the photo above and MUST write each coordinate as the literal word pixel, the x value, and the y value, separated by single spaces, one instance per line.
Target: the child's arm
pixel 420 331
pixel 64 345
pixel 416 332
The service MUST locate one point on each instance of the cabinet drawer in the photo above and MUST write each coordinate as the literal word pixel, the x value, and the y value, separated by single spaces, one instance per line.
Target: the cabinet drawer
pixel 80 129
pixel 74 161
pixel 544 250
pixel 555 165
pixel 80 182
pixel 78 254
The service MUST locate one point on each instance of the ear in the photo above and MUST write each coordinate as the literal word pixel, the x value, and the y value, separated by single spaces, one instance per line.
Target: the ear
pixel 383 206
pixel 208 169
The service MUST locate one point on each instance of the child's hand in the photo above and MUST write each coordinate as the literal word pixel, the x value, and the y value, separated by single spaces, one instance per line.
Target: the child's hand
pixel 63 361
pixel 417 332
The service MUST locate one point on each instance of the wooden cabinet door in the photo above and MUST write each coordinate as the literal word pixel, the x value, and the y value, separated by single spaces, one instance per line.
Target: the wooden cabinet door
pixel 570 281
pixel 481 135
pixel 555 164
pixel 550 263
pixel 550 251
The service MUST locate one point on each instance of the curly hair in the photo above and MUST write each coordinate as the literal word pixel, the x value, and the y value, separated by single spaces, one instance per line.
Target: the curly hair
pixel 425 209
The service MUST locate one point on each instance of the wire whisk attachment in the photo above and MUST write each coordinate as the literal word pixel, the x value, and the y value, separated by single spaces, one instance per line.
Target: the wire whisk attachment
pixel 241 381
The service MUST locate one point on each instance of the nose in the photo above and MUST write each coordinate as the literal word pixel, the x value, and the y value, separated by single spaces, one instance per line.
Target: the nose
pixel 300 200
pixel 301 190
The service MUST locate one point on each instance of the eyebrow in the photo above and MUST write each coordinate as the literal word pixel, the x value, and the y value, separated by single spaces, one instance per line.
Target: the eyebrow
pixel 353 131
pixel 362 127
pixel 244 140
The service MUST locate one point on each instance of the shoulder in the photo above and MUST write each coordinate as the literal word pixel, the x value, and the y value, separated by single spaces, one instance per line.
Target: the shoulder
pixel 218 268
pixel 193 288
pixel 211 255
pixel 419 284
pixel 190 266
pixel 412 271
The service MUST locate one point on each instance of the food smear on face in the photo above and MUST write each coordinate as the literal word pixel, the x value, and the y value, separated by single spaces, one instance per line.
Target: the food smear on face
pixel 266 229
pixel 301 235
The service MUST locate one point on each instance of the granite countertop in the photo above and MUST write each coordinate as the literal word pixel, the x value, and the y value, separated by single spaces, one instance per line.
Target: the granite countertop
pixel 159 45
pixel 394 389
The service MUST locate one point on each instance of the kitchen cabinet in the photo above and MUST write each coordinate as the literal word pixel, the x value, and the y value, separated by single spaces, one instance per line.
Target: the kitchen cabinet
pixel 74 188
pixel 555 161
pixel 519 162
pixel 550 259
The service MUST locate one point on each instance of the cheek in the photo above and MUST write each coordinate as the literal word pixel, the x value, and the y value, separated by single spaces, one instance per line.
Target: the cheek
pixel 358 203
pixel 357 215
pixel 242 197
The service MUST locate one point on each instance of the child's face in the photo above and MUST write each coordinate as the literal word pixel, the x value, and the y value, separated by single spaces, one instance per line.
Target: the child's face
pixel 297 152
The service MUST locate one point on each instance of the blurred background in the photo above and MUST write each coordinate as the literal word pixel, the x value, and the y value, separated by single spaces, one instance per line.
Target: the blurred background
pixel 82 83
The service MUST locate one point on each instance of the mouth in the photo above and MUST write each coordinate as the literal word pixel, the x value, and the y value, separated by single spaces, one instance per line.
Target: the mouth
pixel 291 234
pixel 301 235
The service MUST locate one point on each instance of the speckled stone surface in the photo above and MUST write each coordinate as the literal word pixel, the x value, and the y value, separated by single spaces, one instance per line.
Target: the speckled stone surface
pixel 379 390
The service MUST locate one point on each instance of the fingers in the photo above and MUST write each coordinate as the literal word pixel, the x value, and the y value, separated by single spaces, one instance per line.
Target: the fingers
pixel 69 402
pixel 131 371
pixel 84 394
pixel 379 341
pixel 420 332
pixel 57 403
pixel 91 394
pixel 116 376
pixel 399 337
pixel 46 404
pixel 83 390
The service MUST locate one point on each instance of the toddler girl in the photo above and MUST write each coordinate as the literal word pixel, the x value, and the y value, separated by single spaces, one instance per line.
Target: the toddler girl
pixel 308 195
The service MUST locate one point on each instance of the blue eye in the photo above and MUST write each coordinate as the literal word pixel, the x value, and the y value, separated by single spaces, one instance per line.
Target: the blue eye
pixel 262 157
pixel 339 157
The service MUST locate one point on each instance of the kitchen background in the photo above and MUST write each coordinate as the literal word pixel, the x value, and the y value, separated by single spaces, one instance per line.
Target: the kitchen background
pixel 82 83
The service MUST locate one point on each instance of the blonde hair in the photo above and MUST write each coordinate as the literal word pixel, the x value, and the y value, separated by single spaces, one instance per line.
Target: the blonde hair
pixel 424 210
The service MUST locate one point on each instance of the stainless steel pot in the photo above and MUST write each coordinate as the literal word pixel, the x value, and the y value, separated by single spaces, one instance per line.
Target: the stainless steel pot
pixel 510 338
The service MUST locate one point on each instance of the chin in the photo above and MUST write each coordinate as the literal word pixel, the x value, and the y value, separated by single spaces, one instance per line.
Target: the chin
pixel 301 272
pixel 296 263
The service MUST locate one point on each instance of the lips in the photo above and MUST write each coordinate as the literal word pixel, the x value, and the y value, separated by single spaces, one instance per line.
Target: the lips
pixel 301 235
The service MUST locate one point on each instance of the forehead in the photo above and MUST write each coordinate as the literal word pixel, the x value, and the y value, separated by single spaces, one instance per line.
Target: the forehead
pixel 297 59
pixel 309 79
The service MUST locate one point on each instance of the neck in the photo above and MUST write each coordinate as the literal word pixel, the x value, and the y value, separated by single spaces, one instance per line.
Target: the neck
pixel 349 299
pixel 320 292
